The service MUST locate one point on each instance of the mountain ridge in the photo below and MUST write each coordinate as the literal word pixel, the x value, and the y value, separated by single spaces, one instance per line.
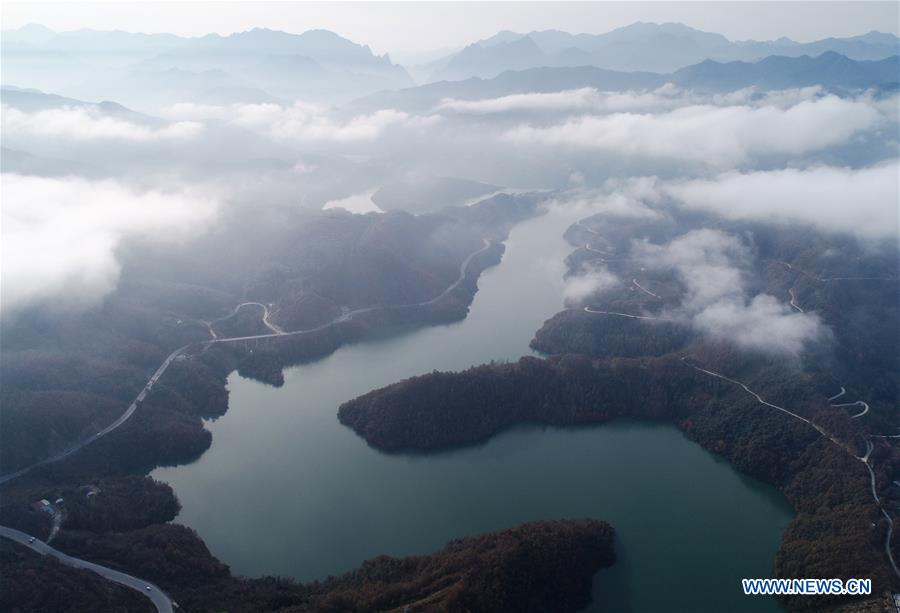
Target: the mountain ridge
pixel 770 73
pixel 654 47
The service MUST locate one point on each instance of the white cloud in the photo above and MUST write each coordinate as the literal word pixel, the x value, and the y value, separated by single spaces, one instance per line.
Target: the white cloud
pixel 709 262
pixel 60 235
pixel 195 112
pixel 719 136
pixel 303 121
pixel 712 267
pixel 589 99
pixel 764 324
pixel 633 197
pixel 863 202
pixel 586 99
pixel 88 123
pixel 581 286
pixel 573 99
pixel 306 122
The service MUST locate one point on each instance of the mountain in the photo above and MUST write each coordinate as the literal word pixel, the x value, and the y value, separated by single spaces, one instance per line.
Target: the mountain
pixel 485 61
pixel 831 70
pixel 534 80
pixel 32 101
pixel 35 38
pixel 256 65
pixel 875 37
pixel 642 47
pixel 30 34
pixel 322 46
pixel 311 64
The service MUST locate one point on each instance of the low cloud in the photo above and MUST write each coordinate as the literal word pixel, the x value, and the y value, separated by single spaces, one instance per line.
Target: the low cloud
pixel 60 235
pixel 589 99
pixel 579 287
pixel 310 123
pixel 634 197
pixel 858 201
pixel 573 99
pixel 303 121
pixel 192 111
pixel 714 135
pixel 712 266
pixel 764 324
pixel 88 123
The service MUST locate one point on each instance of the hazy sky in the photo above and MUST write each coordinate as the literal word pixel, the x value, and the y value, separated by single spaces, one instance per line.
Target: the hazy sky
pixel 420 26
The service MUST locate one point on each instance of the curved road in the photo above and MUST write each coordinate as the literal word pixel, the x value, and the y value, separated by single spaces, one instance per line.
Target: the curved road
pixel 759 399
pixel 826 279
pixel 121 420
pixel 858 403
pixel 206 344
pixel 794 301
pixel 645 290
pixel 588 247
pixel 159 598
pixel 838 395
pixel 590 310
pixel 265 318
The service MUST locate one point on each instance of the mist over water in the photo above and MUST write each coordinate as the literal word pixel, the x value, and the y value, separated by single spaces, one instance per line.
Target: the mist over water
pixel 286 490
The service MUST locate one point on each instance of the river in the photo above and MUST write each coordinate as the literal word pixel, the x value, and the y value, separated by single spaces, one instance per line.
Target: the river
pixel 286 490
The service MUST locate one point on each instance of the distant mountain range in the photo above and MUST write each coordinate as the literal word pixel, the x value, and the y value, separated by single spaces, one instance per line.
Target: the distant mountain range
pixel 834 72
pixel 147 71
pixel 259 65
pixel 33 100
pixel 639 47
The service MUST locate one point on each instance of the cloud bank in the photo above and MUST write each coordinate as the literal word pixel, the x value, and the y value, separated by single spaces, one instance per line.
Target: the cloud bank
pixel 303 121
pixel 60 235
pixel 718 136
pixel 863 201
pixel 87 123
pixel 589 99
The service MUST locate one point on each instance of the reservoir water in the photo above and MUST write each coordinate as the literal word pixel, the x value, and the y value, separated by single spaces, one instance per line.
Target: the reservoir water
pixel 286 490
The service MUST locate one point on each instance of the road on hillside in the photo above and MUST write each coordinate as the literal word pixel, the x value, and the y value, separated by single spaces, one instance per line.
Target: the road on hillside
pixel 159 598
pixel 590 310
pixel 865 459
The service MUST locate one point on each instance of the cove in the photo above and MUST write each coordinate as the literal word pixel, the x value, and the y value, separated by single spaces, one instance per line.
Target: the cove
pixel 286 490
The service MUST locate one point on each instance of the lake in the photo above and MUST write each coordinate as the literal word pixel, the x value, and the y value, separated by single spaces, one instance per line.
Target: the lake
pixel 286 490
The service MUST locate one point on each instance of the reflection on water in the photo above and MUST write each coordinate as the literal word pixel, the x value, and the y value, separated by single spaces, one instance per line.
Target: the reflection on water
pixel 286 490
